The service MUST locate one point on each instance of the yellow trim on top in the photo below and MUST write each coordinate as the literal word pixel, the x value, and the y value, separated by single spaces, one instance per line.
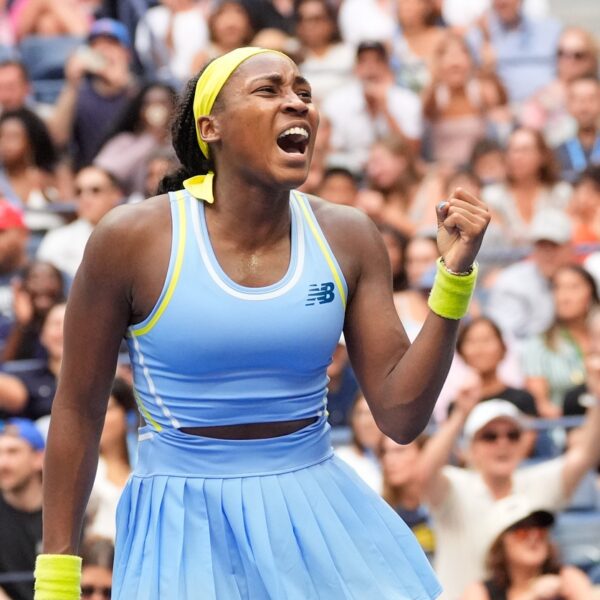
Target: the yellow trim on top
pixel 176 270
pixel 323 246
pixel 147 417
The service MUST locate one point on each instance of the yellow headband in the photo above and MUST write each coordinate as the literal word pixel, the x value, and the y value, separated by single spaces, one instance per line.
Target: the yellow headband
pixel 209 84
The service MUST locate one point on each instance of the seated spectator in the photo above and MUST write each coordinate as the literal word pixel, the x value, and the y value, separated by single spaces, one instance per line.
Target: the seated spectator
pixel 584 210
pixel 13 258
pixel 525 310
pixel 553 362
pixel 21 459
pixel 395 244
pixel 39 289
pixel 577 56
pixel 522 561
pixel 99 84
pixel 168 37
pixel 229 28
pixel 363 20
pixel 460 500
pixel 398 192
pixel 97 192
pixel 30 392
pixel 361 453
pixel 326 61
pixel 28 159
pixel 414 43
pixel 49 18
pixel 458 104
pixel 342 387
pixel 339 186
pixel 114 466
pixel 15 86
pixel 533 187
pixel 374 105
pixel 582 150
pixel 520 49
pixel 160 162
pixel 411 303
pixel 271 14
pixel 401 488
pixel 98 556
pixel 487 162
pixel 141 130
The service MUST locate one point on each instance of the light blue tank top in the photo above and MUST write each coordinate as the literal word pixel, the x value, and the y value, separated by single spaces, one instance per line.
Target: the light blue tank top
pixel 213 352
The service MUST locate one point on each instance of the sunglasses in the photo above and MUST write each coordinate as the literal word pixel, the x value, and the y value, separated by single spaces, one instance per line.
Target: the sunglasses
pixel 490 437
pixel 88 590
pixel 527 532
pixel 93 190
pixel 575 55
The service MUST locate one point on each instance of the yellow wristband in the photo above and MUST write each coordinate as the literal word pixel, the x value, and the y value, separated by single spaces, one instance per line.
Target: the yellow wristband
pixel 451 294
pixel 57 577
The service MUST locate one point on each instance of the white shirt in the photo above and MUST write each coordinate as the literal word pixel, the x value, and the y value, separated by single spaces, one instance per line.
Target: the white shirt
pixel 366 467
pixel 63 247
pixel 366 20
pixel 462 13
pixel 460 521
pixel 354 129
pixel 189 35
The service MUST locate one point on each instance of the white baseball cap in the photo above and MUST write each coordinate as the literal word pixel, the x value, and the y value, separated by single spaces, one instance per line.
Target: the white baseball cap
pixel 488 411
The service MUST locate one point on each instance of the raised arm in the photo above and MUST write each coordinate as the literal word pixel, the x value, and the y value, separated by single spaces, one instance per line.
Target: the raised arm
pixel 98 313
pixel 401 381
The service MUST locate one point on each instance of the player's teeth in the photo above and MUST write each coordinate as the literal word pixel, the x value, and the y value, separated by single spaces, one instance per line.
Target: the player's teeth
pixel 294 131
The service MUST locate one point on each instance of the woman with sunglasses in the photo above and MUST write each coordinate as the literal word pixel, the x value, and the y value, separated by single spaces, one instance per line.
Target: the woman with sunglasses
pixel 96 573
pixel 233 290
pixel 522 561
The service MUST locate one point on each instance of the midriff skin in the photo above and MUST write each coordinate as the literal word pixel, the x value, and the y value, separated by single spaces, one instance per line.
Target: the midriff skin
pixel 250 431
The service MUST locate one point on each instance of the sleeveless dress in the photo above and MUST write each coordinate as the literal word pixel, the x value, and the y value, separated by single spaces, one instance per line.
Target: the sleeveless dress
pixel 278 518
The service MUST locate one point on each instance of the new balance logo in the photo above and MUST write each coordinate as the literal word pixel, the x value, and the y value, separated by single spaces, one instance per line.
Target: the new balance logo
pixel 322 294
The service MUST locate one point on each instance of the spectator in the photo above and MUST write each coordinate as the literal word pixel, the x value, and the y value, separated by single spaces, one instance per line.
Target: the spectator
pixel 29 161
pixel 49 18
pixel 520 49
pixel 159 163
pixel 395 244
pixel 168 37
pixel 584 210
pixel 229 28
pixel 99 84
pixel 30 392
pixel 96 569
pixel 458 105
pixel 342 388
pixel 13 256
pixel 533 187
pixel 327 62
pixel 114 466
pixel 397 185
pixel 481 345
pixel 522 562
pixel 364 20
pixel 375 107
pixel 39 289
pixel 271 14
pixel 361 453
pixel 582 150
pixel 520 300
pixel 401 488
pixel 553 361
pixel 460 500
pixel 487 162
pixel 577 56
pixel 21 457
pixel 339 186
pixel 97 192
pixel 141 130
pixel 414 43
pixel 15 87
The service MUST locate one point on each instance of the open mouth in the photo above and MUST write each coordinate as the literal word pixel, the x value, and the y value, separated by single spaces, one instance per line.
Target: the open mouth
pixel 294 140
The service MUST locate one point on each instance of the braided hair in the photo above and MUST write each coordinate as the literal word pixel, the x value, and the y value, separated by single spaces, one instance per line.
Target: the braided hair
pixel 185 142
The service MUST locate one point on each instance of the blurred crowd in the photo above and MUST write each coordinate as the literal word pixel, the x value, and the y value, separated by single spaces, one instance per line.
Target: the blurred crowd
pixel 417 98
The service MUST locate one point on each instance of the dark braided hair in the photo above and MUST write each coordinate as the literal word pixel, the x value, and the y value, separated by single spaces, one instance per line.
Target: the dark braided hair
pixel 185 143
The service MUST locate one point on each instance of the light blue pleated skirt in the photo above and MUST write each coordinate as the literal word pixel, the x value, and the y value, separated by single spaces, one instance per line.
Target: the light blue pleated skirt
pixel 270 519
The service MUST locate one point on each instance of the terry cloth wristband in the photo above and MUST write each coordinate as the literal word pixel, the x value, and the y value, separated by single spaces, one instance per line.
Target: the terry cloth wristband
pixel 57 577
pixel 451 294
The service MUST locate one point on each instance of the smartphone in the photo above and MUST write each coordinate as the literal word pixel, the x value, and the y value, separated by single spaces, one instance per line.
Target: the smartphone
pixel 93 60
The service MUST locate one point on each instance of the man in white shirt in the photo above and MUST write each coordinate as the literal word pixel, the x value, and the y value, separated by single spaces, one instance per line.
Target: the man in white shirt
pixel 97 192
pixel 369 108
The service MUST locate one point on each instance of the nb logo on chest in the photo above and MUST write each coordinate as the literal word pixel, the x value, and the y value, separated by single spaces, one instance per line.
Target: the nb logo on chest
pixel 321 294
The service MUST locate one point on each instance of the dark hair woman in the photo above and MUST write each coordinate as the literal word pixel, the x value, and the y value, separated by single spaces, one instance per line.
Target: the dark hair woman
pixel 232 292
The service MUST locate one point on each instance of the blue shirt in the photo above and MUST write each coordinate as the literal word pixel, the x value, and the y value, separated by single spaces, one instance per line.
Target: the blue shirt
pixel 525 54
